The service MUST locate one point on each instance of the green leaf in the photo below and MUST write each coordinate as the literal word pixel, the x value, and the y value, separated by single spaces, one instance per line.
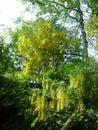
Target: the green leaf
pixel 34 122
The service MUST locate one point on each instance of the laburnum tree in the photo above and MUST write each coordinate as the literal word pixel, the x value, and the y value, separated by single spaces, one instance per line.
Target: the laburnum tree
pixel 43 45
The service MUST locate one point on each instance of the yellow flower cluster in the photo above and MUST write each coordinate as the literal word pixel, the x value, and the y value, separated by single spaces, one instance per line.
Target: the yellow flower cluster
pixel 50 98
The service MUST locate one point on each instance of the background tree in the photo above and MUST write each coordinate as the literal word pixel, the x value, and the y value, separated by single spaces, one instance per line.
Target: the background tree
pixel 67 11
pixel 4 62
pixel 12 90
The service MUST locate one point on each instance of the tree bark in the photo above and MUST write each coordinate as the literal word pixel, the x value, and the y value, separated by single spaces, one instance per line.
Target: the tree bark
pixel 83 33
pixel 71 118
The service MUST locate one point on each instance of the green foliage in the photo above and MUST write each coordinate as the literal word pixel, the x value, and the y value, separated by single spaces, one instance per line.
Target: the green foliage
pixel 94 6
pixel 13 104
pixel 34 122
pixel 86 120
pixel 4 56
pixel 12 93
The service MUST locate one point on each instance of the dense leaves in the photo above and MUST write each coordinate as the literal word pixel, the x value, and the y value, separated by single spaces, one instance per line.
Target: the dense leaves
pixel 44 45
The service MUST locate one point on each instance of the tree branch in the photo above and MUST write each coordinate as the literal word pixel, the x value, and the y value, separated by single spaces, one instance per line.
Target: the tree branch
pixel 62 5
pixel 74 18
pixel 68 122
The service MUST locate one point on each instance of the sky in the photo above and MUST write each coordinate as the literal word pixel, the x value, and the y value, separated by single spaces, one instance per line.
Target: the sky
pixel 9 10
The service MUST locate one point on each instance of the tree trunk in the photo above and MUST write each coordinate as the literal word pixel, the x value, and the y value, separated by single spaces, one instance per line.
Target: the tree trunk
pixel 71 118
pixel 68 122
pixel 83 33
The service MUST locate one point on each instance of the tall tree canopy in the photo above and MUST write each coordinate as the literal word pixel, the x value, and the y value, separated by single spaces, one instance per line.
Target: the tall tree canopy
pixel 43 45
pixel 65 11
